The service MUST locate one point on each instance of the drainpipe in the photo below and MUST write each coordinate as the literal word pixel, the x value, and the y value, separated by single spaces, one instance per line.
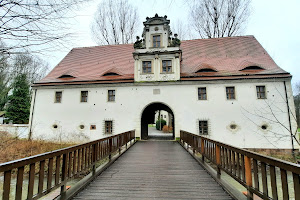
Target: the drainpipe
pixel 31 115
pixel 288 109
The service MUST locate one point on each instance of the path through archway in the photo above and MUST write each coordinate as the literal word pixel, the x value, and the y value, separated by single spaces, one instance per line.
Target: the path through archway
pixel 148 117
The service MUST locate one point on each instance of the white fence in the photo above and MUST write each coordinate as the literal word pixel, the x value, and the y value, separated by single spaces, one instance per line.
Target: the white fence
pixel 18 130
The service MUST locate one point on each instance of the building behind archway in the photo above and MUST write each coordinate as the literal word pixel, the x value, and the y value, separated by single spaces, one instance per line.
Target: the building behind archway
pixel 227 89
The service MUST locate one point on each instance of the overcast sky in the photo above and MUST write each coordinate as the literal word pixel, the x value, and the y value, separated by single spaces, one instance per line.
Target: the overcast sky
pixel 274 23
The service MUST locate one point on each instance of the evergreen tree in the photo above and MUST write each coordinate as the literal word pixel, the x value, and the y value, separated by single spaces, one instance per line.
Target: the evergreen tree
pixel 18 108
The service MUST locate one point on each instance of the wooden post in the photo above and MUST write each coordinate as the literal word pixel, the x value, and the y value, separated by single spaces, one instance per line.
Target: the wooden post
pixel 248 175
pixel 194 145
pixel 218 160
pixel 119 143
pixel 202 149
pixel 94 157
pixel 110 148
pixel 64 175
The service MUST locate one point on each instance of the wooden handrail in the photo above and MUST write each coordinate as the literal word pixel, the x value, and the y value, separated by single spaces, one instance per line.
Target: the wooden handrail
pixel 250 169
pixel 59 165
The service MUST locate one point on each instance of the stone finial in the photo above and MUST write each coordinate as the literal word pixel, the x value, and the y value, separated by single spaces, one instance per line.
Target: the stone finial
pixel 156 15
pixel 165 16
pixel 175 35
pixel 147 18
pixel 138 44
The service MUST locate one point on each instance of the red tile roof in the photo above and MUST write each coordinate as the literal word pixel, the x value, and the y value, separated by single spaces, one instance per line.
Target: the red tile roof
pixel 225 55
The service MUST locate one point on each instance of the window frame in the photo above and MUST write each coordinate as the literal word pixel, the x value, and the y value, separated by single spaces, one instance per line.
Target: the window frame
pixel 109 96
pixel 258 93
pixel 84 99
pixel 234 93
pixel 167 67
pixel 55 96
pixel 108 127
pixel 199 93
pixel 203 127
pixel 146 67
pixel 155 42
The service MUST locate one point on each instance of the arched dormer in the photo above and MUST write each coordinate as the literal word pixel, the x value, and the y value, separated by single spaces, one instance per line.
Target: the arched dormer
pixel 111 74
pixel 206 70
pixel 66 76
pixel 252 68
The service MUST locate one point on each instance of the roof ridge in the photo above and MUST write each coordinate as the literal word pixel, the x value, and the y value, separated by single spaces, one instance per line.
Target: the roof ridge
pixel 109 45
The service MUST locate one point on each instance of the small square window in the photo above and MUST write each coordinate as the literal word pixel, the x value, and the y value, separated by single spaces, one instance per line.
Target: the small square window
pixel 93 127
pixel 156 41
pixel 202 93
pixel 108 127
pixel 58 96
pixel 261 92
pixel 147 68
pixel 203 127
pixel 84 96
pixel 111 95
pixel 230 93
pixel 166 66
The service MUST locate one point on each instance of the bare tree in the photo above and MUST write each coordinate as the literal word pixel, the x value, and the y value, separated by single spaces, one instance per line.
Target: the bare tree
pixel 181 30
pixel 33 66
pixel 271 112
pixel 219 18
pixel 115 22
pixel 34 24
pixel 4 80
pixel 297 102
pixel 12 66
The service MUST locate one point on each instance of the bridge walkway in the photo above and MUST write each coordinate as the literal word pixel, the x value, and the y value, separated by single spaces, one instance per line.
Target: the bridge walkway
pixel 154 170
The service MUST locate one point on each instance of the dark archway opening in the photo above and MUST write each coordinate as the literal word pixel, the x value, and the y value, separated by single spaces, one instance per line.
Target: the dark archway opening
pixel 148 117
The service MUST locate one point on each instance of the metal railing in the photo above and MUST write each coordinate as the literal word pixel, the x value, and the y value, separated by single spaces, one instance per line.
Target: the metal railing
pixel 53 169
pixel 266 177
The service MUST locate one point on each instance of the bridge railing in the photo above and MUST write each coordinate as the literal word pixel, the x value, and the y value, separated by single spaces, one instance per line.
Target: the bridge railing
pixel 266 177
pixel 53 169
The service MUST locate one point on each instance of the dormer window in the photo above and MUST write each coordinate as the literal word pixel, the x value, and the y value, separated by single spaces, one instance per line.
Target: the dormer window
pixel 147 67
pixel 156 40
pixel 252 68
pixel 206 70
pixel 111 74
pixel 166 66
pixel 66 76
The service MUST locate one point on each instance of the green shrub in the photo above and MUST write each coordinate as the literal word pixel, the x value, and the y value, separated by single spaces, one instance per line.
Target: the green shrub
pixel 160 124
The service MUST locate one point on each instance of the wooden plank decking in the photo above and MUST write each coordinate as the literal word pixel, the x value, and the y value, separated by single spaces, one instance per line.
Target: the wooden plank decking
pixel 154 170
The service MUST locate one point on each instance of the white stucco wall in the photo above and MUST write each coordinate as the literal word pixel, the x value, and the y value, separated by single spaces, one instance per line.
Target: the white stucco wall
pixel 181 97
pixel 16 130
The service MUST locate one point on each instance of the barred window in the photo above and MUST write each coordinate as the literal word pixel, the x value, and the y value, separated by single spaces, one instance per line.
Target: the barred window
pixel 156 41
pixel 261 92
pixel 111 95
pixel 147 68
pixel 230 93
pixel 108 127
pixel 58 96
pixel 203 127
pixel 84 96
pixel 166 66
pixel 202 93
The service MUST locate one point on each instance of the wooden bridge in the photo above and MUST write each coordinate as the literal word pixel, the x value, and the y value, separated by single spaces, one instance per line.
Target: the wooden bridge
pixel 119 167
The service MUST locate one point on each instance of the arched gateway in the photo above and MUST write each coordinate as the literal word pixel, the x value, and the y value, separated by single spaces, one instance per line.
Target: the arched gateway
pixel 148 117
